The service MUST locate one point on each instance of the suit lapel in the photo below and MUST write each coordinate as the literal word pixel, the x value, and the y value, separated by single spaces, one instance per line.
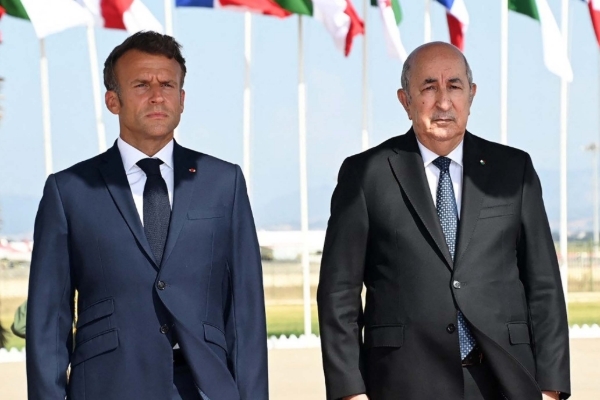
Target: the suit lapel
pixel 410 173
pixel 113 172
pixel 185 167
pixel 475 175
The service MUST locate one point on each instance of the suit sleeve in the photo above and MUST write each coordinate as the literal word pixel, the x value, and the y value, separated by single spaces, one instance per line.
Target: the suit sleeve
pixel 50 302
pixel 540 275
pixel 250 351
pixel 340 286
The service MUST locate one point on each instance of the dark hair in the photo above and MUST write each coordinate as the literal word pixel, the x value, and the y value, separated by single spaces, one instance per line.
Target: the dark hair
pixel 148 42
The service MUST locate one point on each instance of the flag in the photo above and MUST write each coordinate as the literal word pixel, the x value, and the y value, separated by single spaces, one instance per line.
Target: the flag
pixel 266 7
pixel 554 44
pixel 458 21
pixel 48 16
pixel 391 14
pixel 338 16
pixel 131 15
pixel 594 6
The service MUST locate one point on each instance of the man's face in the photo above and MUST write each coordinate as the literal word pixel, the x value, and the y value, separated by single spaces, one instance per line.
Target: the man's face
pixel 150 98
pixel 438 99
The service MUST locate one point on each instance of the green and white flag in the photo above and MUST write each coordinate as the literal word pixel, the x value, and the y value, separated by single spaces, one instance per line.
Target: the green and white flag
pixel 555 46
pixel 48 16
pixel 391 14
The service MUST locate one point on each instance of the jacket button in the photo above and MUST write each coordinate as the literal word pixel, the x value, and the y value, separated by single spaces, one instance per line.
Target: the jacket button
pixel 456 284
pixel 164 329
pixel 450 328
pixel 161 285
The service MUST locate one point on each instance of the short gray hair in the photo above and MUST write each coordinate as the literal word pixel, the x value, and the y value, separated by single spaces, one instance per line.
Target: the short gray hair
pixel 404 81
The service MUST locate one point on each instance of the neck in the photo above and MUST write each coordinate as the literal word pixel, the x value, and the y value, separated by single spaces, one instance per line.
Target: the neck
pixel 147 146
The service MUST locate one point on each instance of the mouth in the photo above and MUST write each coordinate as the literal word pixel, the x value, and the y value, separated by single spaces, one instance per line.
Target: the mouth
pixel 157 115
pixel 443 120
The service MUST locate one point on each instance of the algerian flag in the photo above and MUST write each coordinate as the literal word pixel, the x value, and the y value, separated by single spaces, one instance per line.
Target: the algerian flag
pixel 338 16
pixel 48 16
pixel 391 13
pixel 555 46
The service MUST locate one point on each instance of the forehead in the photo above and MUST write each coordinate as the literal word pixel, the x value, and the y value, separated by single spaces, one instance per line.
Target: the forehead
pixel 438 62
pixel 136 64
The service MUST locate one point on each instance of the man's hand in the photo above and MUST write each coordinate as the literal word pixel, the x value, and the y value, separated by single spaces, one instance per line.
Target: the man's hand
pixel 550 396
pixel 361 397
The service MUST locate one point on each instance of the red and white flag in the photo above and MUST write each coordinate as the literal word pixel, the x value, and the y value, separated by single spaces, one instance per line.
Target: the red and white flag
pixel 131 15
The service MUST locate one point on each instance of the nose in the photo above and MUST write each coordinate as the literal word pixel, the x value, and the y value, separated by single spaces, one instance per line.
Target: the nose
pixel 443 101
pixel 156 95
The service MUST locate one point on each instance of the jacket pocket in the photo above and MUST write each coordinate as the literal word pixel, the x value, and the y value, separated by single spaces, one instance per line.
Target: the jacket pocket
pixel 518 333
pixel 496 211
pixel 384 336
pixel 215 336
pixel 102 343
pixel 206 213
pixel 96 311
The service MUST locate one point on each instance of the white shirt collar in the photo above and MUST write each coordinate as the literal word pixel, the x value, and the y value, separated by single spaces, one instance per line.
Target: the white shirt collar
pixel 429 156
pixel 130 155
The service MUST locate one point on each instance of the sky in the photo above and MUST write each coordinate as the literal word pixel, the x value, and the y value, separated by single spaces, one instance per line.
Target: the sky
pixel 213 43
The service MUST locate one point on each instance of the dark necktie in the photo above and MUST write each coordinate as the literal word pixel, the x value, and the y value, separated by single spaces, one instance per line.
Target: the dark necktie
pixel 448 215
pixel 157 209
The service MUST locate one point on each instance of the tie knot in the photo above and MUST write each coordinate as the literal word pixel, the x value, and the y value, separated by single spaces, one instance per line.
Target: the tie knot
pixel 443 163
pixel 151 166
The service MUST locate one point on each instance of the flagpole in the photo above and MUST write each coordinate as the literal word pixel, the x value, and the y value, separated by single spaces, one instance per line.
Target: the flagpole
pixel 427 21
pixel 563 158
pixel 169 17
pixel 93 52
pixel 504 72
pixel 247 98
pixel 365 110
pixel 169 31
pixel 46 107
pixel 303 182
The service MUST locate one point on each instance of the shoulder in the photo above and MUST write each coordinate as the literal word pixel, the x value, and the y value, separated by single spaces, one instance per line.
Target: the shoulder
pixel 506 156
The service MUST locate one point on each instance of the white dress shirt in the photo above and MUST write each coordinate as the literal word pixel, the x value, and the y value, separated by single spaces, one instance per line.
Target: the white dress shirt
pixel 433 173
pixel 137 177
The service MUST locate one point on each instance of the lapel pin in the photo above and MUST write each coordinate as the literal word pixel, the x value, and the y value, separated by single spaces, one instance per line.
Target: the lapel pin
pixel 482 162
pixel 192 169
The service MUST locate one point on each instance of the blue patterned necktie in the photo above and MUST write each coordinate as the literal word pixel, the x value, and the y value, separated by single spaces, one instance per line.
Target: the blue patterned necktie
pixel 157 208
pixel 448 215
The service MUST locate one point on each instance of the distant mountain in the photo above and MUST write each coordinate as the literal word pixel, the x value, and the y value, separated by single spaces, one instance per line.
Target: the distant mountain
pixel 18 215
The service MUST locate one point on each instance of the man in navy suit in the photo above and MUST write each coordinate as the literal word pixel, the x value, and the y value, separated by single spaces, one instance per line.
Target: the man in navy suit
pixel 159 243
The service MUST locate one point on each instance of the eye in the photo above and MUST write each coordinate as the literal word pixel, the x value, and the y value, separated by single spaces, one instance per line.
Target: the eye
pixel 455 87
pixel 429 88
pixel 140 85
pixel 167 84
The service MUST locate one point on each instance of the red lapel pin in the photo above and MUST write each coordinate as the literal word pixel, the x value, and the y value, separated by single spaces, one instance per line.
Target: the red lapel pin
pixel 192 169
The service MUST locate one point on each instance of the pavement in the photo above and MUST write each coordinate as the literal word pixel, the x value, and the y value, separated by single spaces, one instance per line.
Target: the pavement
pixel 296 374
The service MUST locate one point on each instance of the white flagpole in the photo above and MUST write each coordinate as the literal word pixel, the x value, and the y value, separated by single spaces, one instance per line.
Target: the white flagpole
pixel 46 107
pixel 563 158
pixel 247 98
pixel 169 31
pixel 427 21
pixel 93 52
pixel 169 17
pixel 303 182
pixel 504 72
pixel 365 111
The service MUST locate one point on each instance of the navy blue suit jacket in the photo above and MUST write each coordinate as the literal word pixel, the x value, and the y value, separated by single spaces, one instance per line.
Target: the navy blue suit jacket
pixel 89 238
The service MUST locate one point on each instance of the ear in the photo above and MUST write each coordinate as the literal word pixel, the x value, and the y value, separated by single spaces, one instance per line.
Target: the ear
pixel 404 100
pixel 181 100
pixel 111 99
pixel 472 93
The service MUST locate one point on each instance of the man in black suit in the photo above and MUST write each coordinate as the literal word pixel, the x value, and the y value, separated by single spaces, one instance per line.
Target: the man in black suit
pixel 159 241
pixel 449 235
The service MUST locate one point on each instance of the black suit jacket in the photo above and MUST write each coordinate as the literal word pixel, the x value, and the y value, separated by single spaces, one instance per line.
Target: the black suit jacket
pixel 208 288
pixel 384 232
